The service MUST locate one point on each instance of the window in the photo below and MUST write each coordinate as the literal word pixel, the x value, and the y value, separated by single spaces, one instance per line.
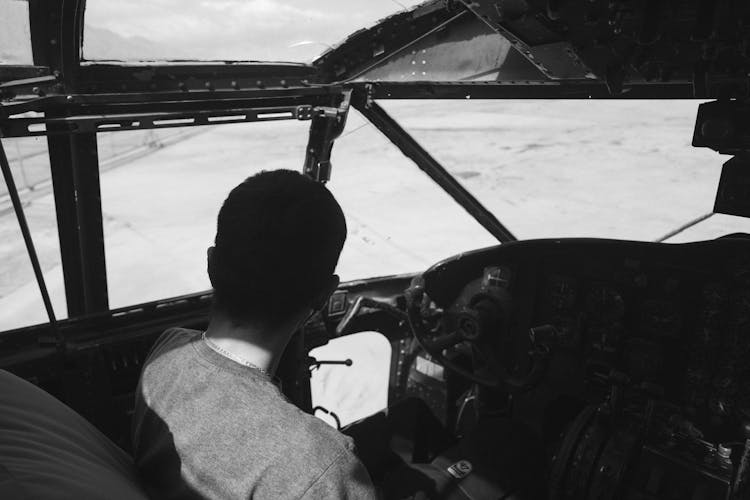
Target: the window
pixel 399 220
pixel 161 193
pixel 20 301
pixel 606 169
pixel 15 34
pixel 356 391
pixel 242 30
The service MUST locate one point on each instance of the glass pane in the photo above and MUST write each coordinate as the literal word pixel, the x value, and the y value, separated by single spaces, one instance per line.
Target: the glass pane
pixel 357 391
pixel 20 301
pixel 264 30
pixel 161 194
pixel 399 220
pixel 15 35
pixel 607 169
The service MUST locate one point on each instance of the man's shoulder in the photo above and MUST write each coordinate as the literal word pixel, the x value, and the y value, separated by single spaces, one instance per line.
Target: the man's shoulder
pixel 173 337
pixel 171 340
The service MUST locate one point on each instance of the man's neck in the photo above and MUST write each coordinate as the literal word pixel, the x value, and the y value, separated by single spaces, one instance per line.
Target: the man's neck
pixel 260 346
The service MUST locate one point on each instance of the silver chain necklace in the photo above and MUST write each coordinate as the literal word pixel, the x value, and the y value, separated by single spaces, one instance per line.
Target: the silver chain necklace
pixel 231 356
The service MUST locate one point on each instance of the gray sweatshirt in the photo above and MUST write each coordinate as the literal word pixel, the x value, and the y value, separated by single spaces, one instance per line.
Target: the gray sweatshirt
pixel 207 427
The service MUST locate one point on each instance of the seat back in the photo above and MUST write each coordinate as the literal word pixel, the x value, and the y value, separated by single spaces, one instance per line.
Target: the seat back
pixel 47 450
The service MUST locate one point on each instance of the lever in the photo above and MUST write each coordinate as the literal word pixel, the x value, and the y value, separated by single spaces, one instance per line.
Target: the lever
pixel 361 302
pixel 314 363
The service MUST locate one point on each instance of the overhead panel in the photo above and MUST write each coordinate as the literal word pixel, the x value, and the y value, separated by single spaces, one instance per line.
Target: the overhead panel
pixel 701 42
pixel 537 40
pixel 436 41
pixel 465 49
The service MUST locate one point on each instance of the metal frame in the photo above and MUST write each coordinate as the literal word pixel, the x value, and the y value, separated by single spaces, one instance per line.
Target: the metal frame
pixel 584 89
pixel 25 127
pixel 429 165
pixel 80 222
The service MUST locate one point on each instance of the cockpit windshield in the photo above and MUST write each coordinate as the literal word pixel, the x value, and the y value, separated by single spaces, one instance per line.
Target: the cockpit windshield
pixel 255 30
pixel 602 169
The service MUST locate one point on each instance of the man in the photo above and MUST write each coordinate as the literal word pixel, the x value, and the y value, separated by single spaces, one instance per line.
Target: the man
pixel 209 419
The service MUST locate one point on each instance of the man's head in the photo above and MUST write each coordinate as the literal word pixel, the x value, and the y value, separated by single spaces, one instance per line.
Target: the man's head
pixel 278 239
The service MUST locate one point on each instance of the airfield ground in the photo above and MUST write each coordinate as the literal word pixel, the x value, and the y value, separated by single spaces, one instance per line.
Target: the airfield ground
pixel 614 169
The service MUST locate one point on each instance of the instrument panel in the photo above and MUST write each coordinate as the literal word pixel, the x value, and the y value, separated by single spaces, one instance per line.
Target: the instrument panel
pixel 672 318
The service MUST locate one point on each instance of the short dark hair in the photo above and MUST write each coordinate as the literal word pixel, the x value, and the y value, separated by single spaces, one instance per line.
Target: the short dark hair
pixel 278 239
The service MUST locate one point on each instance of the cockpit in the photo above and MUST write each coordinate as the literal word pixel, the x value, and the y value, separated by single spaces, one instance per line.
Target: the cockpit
pixel 548 222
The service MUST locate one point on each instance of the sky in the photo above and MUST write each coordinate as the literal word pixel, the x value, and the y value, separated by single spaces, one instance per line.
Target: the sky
pixel 272 30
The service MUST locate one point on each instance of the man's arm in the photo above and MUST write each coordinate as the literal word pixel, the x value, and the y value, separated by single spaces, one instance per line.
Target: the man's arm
pixel 345 478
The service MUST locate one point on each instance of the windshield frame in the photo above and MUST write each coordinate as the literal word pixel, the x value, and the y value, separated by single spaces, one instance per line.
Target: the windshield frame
pixel 85 96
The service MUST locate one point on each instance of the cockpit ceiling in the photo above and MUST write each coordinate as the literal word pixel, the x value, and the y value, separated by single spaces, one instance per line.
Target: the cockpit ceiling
pixel 465 49
pixel 656 48
pixel 701 43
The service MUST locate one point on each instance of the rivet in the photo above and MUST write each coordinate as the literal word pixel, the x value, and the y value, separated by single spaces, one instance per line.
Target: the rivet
pixel 235 85
pixel 209 85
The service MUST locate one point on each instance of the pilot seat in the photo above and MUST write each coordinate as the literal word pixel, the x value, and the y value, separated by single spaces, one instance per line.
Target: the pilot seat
pixel 47 450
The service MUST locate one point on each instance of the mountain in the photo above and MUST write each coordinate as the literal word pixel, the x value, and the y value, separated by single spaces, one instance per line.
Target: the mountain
pixel 100 44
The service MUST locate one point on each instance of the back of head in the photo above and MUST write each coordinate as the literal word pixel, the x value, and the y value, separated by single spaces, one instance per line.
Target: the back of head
pixel 278 239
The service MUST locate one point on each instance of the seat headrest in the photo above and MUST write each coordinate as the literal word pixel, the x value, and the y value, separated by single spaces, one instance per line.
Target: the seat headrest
pixel 49 451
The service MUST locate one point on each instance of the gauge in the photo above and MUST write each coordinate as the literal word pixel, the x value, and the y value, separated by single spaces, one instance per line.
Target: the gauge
pixel 661 318
pixel 723 392
pixel 696 387
pixel 499 277
pixel 742 400
pixel 562 294
pixel 605 304
pixel 741 308
pixel 607 338
pixel 742 275
pixel 643 359
pixel 567 330
pixel 714 294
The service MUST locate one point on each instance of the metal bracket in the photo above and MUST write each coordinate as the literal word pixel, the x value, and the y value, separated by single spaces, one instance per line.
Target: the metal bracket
pixel 327 125
pixel 8 89
pixel 24 127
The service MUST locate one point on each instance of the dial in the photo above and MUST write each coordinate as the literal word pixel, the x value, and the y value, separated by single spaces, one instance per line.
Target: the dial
pixel 562 294
pixel 661 318
pixel 605 304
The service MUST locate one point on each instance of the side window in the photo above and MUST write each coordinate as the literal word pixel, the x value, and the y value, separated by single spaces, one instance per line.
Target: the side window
pixel 356 391
pixel 20 301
